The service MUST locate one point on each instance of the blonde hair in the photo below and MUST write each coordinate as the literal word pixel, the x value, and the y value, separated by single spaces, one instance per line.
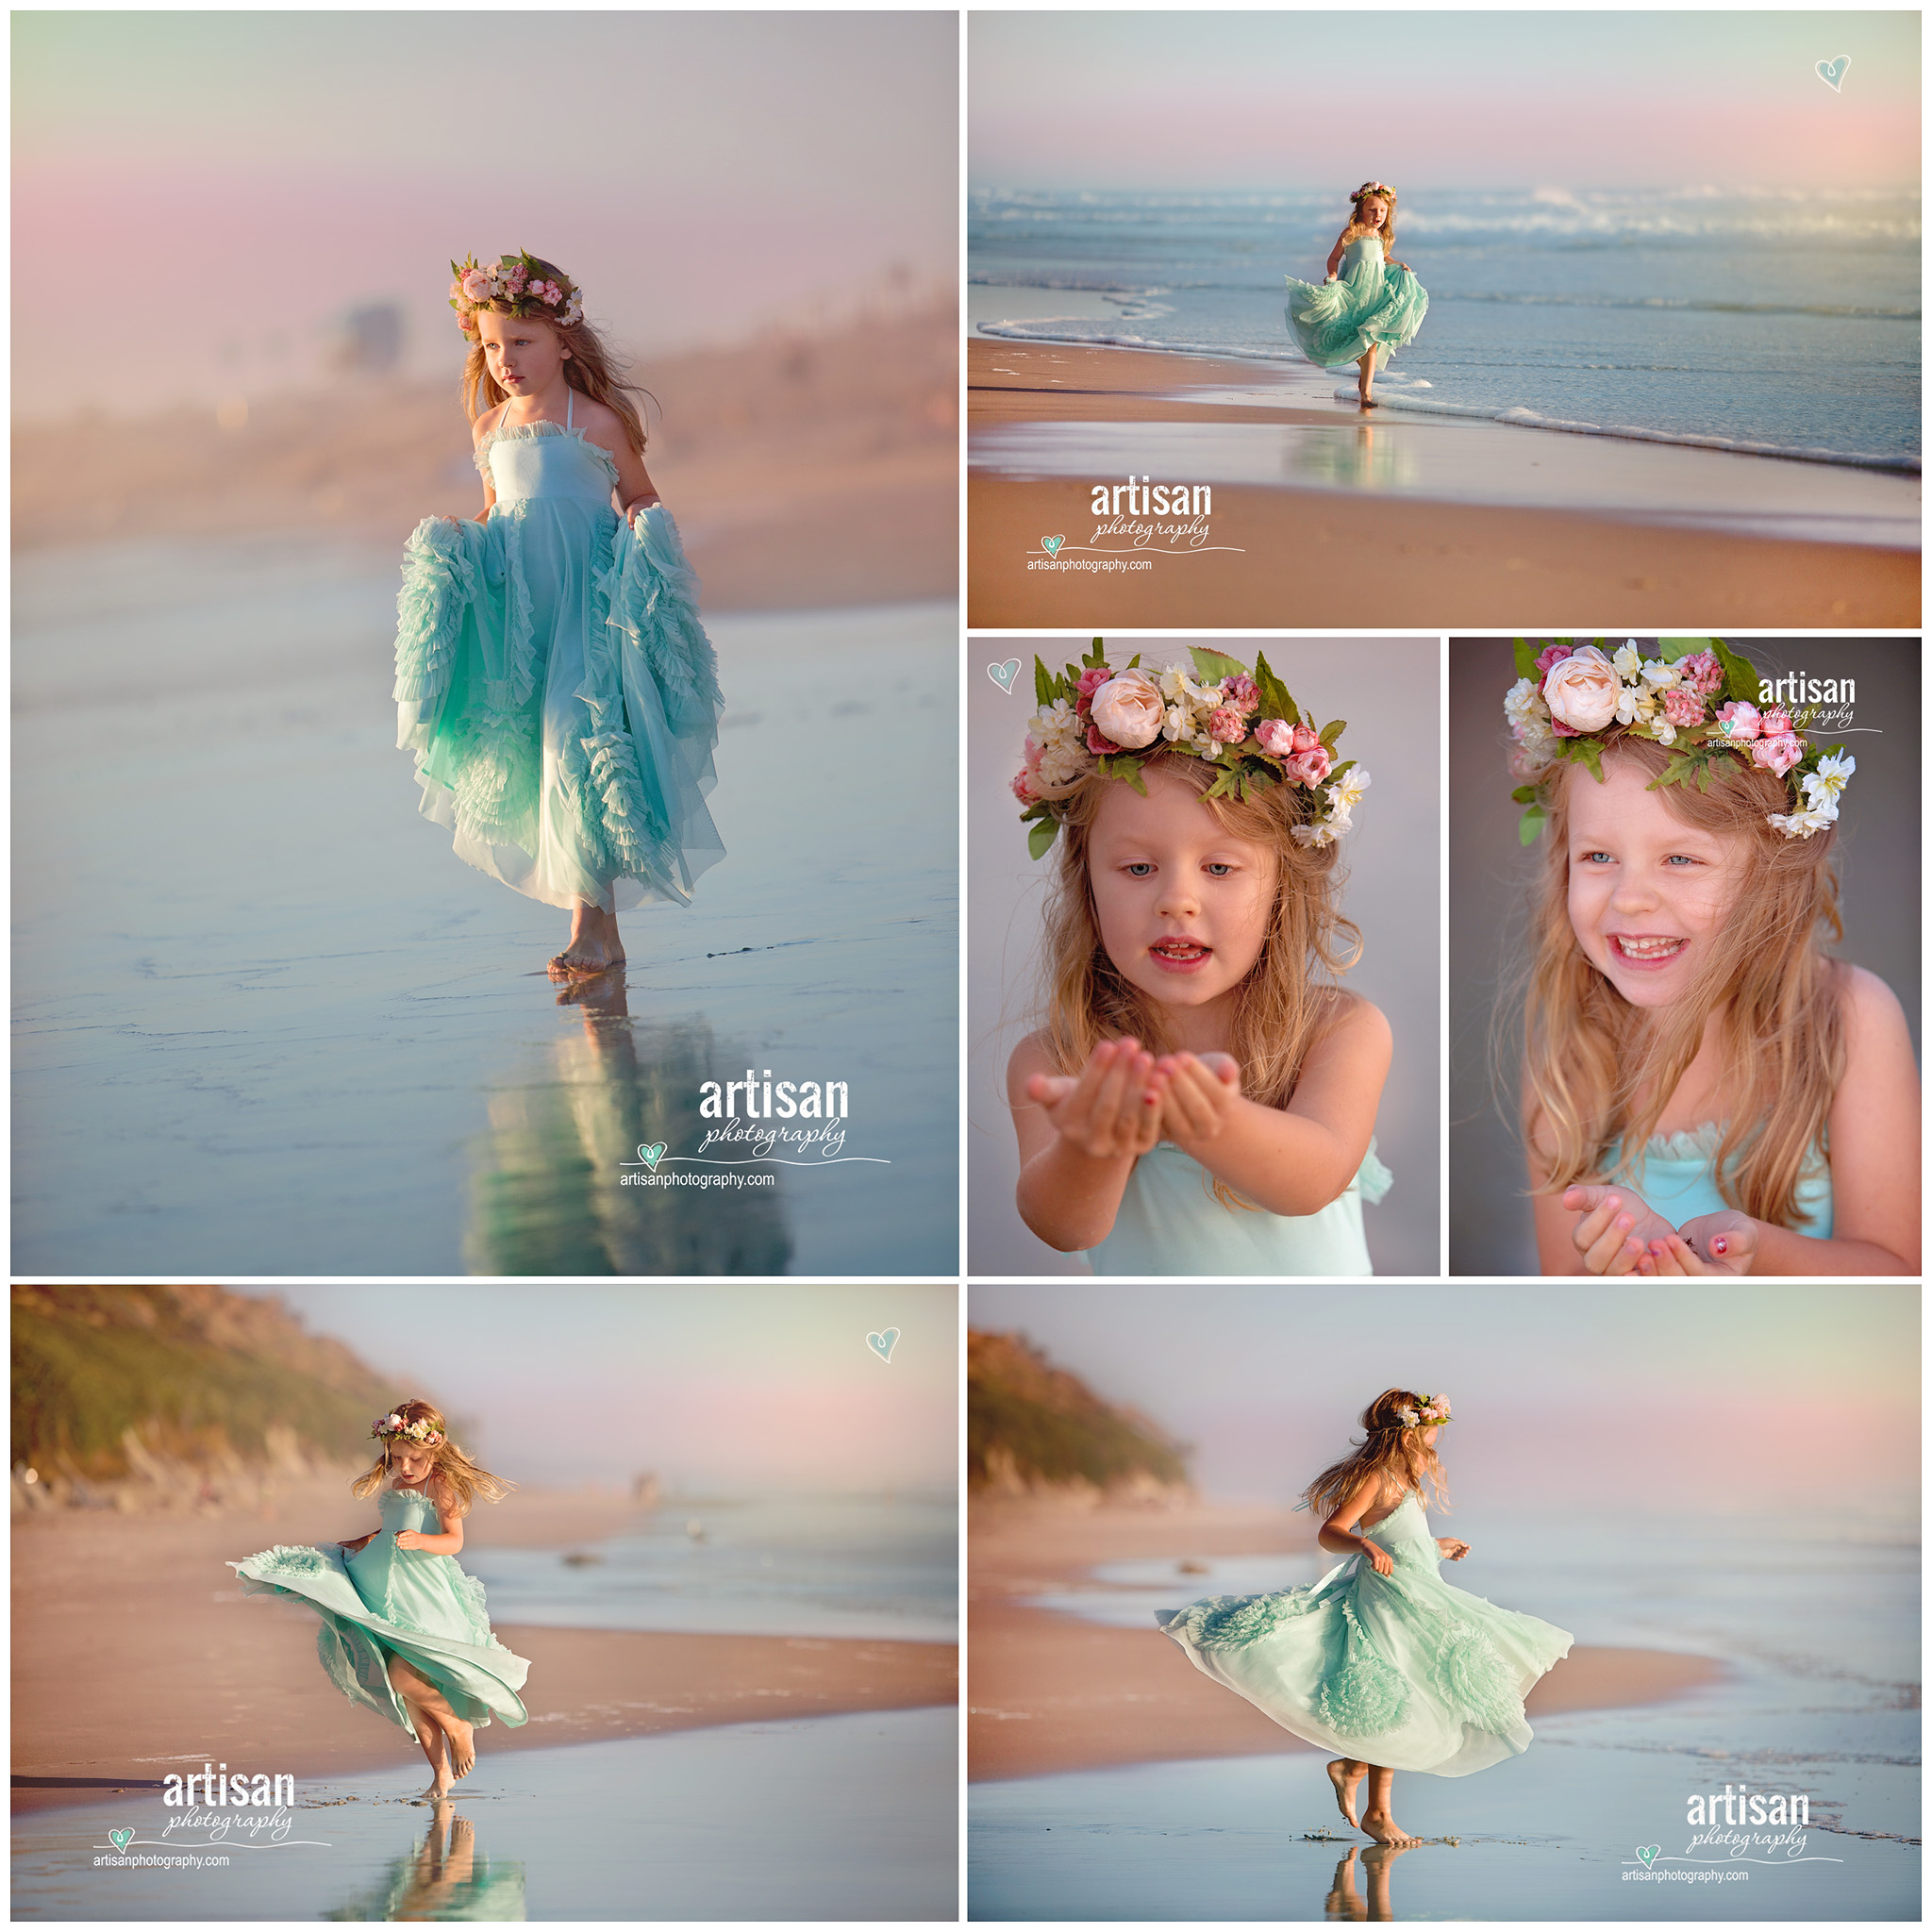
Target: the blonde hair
pixel 463 1479
pixel 1282 1007
pixel 593 368
pixel 1588 1055
pixel 1392 1448
pixel 1358 228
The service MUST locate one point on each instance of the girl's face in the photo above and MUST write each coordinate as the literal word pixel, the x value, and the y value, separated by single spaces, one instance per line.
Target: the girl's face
pixel 522 356
pixel 1183 903
pixel 1372 213
pixel 1646 890
pixel 409 1462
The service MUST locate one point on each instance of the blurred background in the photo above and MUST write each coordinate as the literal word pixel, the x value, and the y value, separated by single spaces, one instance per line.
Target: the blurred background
pixel 1490 875
pixel 1387 689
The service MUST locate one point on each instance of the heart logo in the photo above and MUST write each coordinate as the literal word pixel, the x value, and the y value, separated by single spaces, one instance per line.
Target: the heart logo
pixel 1052 544
pixel 1648 1852
pixel 1004 674
pixel 881 1345
pixel 652 1155
pixel 119 1838
pixel 1832 72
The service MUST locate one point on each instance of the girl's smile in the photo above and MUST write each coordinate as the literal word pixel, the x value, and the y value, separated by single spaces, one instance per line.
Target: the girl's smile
pixel 1646 890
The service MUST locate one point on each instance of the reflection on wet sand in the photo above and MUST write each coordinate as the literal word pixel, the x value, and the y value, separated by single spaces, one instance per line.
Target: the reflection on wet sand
pixel 1345 1901
pixel 1349 458
pixel 548 1193
pixel 445 1878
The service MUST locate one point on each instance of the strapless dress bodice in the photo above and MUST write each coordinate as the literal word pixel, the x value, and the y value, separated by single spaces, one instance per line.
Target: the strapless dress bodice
pixel 545 459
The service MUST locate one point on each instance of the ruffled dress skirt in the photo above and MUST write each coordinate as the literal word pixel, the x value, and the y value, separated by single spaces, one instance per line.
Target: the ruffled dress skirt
pixel 1368 305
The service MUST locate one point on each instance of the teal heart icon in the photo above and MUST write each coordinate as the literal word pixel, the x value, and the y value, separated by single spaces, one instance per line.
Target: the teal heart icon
pixel 881 1344
pixel 652 1155
pixel 1004 674
pixel 119 1838
pixel 1648 1852
pixel 1832 72
pixel 1052 544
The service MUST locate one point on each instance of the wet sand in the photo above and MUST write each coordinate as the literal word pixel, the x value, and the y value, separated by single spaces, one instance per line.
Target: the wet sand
pixel 1451 521
pixel 1048 1694
pixel 200 1673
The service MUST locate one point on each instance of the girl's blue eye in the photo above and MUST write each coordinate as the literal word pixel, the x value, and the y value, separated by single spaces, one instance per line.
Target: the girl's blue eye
pixel 1220 868
pixel 1138 869
pixel 1684 856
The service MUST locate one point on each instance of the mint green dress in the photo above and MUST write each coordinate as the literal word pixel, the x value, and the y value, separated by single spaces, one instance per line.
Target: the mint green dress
pixel 555 683
pixel 1170 1221
pixel 1369 305
pixel 383 1603
pixel 1678 1177
pixel 1403 1671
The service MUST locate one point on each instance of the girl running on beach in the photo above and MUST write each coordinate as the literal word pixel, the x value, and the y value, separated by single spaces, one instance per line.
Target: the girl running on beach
pixel 1200 1099
pixel 1381 1661
pixel 405 1630
pixel 1705 1092
pixel 552 676
pixel 1369 305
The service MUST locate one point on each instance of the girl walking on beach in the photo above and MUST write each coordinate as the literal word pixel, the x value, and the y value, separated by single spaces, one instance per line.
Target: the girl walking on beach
pixel 1370 303
pixel 1705 1092
pixel 1201 1099
pixel 552 676
pixel 405 1630
pixel 1381 1661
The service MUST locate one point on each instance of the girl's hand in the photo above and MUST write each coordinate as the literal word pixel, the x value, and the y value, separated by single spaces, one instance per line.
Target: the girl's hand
pixel 410 1538
pixel 1112 1109
pixel 1448 1548
pixel 1201 1092
pixel 1724 1243
pixel 1383 1562
pixel 1614 1228
pixel 633 511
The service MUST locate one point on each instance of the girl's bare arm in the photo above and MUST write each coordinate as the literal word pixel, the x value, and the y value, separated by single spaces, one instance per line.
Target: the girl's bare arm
pixel 1338 1537
pixel 449 1541
pixel 1296 1159
pixel 1335 253
pixel 1080 1138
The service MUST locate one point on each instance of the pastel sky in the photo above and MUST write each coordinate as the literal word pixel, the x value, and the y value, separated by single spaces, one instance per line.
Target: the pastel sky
pixel 1753 1399
pixel 199 193
pixel 1446 99
pixel 771 1388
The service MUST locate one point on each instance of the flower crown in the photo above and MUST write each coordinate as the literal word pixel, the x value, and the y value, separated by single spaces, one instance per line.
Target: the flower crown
pixel 1373 187
pixel 1434 1410
pixel 418 1431
pixel 518 280
pixel 1091 719
pixel 1566 697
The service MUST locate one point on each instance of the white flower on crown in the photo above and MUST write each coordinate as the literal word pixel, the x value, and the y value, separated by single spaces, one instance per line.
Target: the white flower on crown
pixel 1800 824
pixel 1629 661
pixel 1061 737
pixel 1823 786
pixel 1346 792
pixel 1658 674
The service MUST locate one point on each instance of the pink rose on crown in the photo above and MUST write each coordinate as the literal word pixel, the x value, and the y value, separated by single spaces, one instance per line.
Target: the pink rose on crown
pixel 478 286
pixel 1683 708
pixel 1099 744
pixel 1777 754
pixel 1306 738
pixel 1276 736
pixel 1090 681
pixel 1775 724
pixel 1703 673
pixel 1242 696
pixel 1547 660
pixel 1582 691
pixel 1130 709
pixel 1225 724
pixel 1309 767
pixel 1740 720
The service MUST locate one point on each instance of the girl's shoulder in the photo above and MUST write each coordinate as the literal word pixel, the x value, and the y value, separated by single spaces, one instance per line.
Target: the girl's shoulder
pixel 1874 1018
pixel 1346 1018
pixel 1034 1055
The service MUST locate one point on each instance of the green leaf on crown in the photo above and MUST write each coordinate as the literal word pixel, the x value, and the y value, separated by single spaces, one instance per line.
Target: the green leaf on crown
pixel 1210 667
pixel 1532 823
pixel 1525 658
pixel 1275 701
pixel 1134 662
pixel 1585 751
pixel 1042 836
pixel 1524 795
pixel 1329 733
pixel 1043 685
pixel 1095 658
pixel 1742 681
pixel 1675 650
pixel 1224 782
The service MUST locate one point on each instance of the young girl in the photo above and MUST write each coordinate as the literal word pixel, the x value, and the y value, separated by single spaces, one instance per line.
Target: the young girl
pixel 1199 1101
pixel 1381 1660
pixel 552 676
pixel 1375 306
pixel 403 1628
pixel 1704 1091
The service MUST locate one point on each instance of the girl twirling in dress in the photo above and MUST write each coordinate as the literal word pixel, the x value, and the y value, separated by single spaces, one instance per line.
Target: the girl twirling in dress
pixel 1202 1098
pixel 1369 305
pixel 1704 1091
pixel 404 1630
pixel 552 676
pixel 1381 1660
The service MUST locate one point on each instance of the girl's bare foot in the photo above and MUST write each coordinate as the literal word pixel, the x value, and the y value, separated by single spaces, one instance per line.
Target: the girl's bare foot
pixel 1346 1774
pixel 594 946
pixel 462 1746
pixel 1384 1829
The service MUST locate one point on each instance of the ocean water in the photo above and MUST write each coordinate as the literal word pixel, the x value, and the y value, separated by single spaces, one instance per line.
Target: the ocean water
pixel 265 1022
pixel 1785 322
pixel 775 1566
pixel 1816 1623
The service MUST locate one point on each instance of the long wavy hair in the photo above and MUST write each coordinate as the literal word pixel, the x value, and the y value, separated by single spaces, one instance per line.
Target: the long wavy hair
pixel 464 1479
pixel 1358 228
pixel 593 369
pixel 1287 1001
pixel 1598 1070
pixel 1390 1452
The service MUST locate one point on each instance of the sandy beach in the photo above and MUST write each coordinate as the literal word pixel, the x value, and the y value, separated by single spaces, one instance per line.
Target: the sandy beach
pixel 1046 1693
pixel 202 1672
pixel 1452 520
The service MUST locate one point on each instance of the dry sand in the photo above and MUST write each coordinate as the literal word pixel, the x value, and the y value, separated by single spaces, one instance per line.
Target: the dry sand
pixel 805 473
pixel 1045 1694
pixel 135 1654
pixel 1349 558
